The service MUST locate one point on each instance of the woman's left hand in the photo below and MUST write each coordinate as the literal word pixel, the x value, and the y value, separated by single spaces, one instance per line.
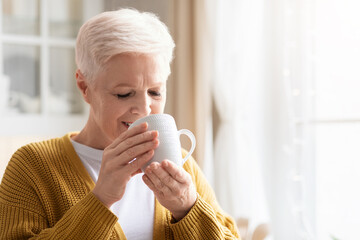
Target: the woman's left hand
pixel 172 187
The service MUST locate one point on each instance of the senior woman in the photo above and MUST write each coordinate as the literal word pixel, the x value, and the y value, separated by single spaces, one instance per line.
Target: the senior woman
pixel 87 185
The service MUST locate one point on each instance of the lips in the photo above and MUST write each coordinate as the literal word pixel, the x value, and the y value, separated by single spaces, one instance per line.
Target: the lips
pixel 127 124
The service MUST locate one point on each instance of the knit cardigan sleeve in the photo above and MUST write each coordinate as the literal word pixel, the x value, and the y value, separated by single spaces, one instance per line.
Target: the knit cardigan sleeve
pixel 206 220
pixel 23 213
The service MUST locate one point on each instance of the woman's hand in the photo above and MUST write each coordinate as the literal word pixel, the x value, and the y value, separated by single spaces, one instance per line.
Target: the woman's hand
pixel 172 187
pixel 119 164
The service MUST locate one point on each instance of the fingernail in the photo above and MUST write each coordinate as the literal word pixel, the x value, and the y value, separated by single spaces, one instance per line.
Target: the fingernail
pixel 154 166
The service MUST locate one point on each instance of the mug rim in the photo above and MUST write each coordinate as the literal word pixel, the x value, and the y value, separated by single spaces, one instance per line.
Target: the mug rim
pixel 150 118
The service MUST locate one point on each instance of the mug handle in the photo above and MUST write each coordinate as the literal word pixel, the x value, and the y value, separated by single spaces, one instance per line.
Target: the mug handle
pixel 193 142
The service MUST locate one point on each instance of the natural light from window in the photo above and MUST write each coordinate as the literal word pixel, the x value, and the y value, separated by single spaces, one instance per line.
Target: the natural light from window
pixel 337 111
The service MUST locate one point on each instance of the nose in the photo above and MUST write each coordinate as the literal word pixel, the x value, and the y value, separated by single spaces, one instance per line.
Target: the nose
pixel 142 105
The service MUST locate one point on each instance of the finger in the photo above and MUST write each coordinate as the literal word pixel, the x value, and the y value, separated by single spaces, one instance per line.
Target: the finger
pixel 176 172
pixel 136 151
pixel 129 133
pixel 135 140
pixel 150 184
pixel 135 166
pixel 165 177
pixel 158 184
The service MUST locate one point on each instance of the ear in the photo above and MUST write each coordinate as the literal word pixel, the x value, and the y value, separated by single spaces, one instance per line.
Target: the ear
pixel 83 85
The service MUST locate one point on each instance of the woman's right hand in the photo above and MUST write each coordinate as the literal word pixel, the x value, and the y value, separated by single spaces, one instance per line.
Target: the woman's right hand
pixel 118 164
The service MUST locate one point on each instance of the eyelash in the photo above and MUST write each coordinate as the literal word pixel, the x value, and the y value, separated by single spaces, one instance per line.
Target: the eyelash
pixel 156 94
pixel 123 95
pixel 153 93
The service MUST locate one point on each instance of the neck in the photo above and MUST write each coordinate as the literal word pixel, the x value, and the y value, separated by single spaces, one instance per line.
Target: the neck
pixel 92 136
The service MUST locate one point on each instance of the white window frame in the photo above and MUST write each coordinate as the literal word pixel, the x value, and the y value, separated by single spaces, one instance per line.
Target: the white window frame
pixel 44 123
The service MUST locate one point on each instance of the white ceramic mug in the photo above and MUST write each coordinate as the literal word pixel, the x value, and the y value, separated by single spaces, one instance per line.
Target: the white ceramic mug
pixel 169 138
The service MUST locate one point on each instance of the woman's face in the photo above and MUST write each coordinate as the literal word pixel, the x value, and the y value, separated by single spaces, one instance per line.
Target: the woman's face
pixel 129 88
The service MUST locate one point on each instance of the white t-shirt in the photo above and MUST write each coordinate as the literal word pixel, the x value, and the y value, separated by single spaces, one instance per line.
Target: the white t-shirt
pixel 135 210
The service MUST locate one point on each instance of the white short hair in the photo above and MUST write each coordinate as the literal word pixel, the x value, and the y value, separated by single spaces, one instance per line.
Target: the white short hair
pixel 123 31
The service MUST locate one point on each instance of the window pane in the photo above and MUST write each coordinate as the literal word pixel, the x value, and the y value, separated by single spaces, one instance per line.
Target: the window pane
pixel 65 17
pixel 64 96
pixel 337 59
pixel 337 180
pixel 21 67
pixel 21 17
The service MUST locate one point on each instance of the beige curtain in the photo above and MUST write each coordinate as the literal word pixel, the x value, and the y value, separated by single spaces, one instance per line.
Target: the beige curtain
pixel 189 85
pixel 180 95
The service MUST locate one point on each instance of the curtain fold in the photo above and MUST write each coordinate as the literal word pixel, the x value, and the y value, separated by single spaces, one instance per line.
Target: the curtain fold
pixel 190 88
pixel 231 63
pixel 219 66
pixel 181 85
pixel 204 37
pixel 237 92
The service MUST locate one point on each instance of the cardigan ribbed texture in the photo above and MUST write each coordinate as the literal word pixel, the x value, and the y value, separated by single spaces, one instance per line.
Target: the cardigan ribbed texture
pixel 46 193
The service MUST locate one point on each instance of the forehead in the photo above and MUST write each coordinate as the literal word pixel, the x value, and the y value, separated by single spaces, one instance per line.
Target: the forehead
pixel 133 69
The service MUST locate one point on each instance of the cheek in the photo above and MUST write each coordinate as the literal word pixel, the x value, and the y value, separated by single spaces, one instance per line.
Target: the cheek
pixel 161 104
pixel 112 110
pixel 158 106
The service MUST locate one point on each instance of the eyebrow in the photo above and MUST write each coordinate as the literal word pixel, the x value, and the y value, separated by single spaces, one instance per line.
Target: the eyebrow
pixel 159 84
pixel 122 85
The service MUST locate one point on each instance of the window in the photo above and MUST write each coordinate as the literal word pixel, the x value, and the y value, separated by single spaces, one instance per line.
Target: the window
pixel 337 114
pixel 329 118
pixel 37 80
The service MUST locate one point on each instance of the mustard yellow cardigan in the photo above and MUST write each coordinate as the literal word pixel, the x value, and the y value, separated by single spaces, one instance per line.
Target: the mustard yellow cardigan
pixel 45 193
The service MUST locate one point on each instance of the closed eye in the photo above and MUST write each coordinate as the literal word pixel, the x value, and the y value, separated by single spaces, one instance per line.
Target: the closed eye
pixel 155 93
pixel 123 95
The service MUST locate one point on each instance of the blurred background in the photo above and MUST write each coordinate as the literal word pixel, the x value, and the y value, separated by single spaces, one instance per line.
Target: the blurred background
pixel 269 87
